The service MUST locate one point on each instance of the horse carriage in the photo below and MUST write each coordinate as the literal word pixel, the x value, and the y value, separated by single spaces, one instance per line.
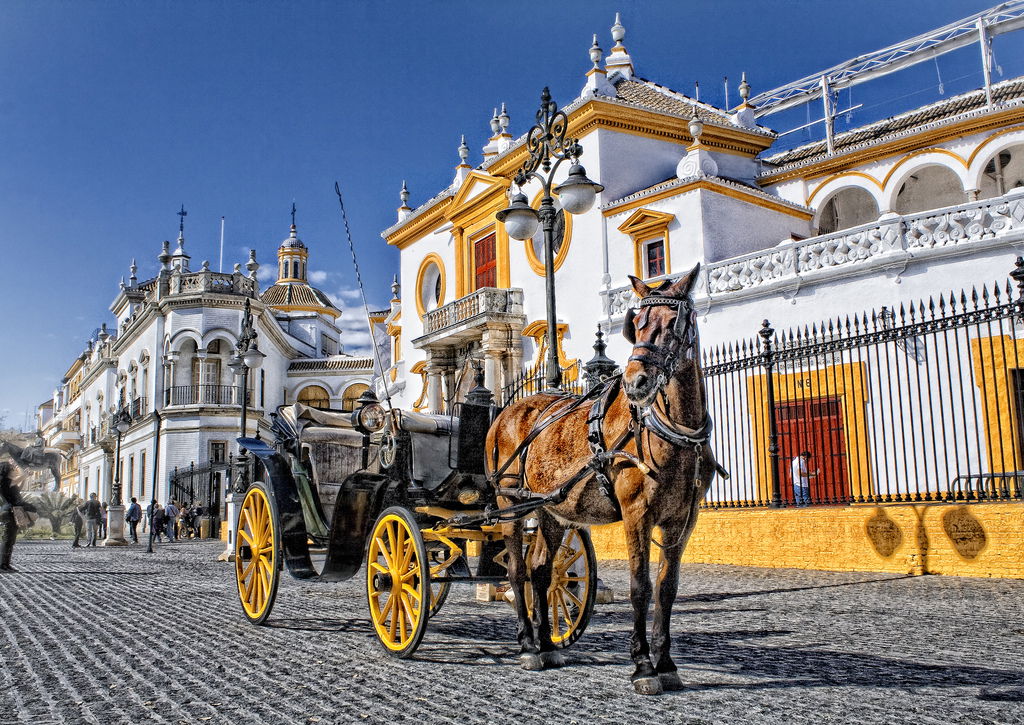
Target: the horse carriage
pixel 406 494
pixel 485 496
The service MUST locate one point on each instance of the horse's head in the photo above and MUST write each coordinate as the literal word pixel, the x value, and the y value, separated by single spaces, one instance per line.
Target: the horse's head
pixel 663 334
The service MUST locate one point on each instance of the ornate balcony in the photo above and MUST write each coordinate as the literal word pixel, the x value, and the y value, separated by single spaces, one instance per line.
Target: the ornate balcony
pixel 888 245
pixel 468 316
pixel 204 395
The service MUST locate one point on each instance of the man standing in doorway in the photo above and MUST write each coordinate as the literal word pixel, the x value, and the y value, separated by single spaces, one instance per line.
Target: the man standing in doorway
pixel 91 510
pixel 133 515
pixel 802 478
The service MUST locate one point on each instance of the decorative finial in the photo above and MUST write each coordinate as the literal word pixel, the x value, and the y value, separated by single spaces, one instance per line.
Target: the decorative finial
pixel 165 255
pixel 463 150
pixel 134 270
pixel 293 215
pixel 618 31
pixel 123 286
pixel 181 224
pixel 238 268
pixel 495 123
pixel 206 265
pixel 404 194
pixel 744 88
pixel 395 288
pixel 503 119
pixel 252 265
pixel 596 53
pixel 104 335
pixel 696 125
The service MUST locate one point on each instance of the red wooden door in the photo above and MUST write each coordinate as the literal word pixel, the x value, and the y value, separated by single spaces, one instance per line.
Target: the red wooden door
pixel 485 261
pixel 816 426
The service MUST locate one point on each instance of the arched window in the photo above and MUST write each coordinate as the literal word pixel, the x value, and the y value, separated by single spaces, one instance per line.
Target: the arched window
pixel 930 187
pixel 295 269
pixel 847 208
pixel 315 397
pixel 351 394
pixel 1003 172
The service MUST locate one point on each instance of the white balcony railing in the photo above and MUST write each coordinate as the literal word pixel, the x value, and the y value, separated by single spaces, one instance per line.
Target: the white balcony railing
pixel 892 241
pixel 483 302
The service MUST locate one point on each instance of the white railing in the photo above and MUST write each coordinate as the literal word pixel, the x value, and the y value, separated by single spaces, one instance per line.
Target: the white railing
pixel 893 240
pixel 487 300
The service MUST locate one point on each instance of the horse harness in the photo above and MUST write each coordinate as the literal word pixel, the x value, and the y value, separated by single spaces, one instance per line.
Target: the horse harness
pixel 665 358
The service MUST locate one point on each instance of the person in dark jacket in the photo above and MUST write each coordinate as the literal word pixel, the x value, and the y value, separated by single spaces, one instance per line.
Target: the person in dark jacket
pixel 78 522
pixel 91 511
pixel 133 516
pixel 10 497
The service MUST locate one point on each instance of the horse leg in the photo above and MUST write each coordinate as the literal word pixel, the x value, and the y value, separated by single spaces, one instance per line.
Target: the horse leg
pixel 674 536
pixel 638 542
pixel 549 538
pixel 55 470
pixel 529 648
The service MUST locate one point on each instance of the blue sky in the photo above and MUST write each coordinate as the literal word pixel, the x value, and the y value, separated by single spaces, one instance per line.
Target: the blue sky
pixel 113 114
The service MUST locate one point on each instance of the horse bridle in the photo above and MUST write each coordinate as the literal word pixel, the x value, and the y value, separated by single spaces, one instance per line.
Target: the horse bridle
pixel 683 336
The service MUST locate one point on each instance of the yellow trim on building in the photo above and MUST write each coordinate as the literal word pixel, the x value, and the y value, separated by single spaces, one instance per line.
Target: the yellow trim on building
pixel 902 162
pixel 750 197
pixel 420 368
pixel 434 259
pixel 307 308
pixel 538 331
pixel 994 359
pixel 537 265
pixel 983 144
pixel 846 383
pixel 643 226
pixel 842 175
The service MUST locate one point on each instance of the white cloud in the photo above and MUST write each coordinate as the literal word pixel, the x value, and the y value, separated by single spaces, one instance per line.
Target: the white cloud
pixel 266 274
pixel 318 276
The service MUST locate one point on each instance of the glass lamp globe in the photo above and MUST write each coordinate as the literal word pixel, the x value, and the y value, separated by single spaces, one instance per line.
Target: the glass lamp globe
pixel 577 193
pixel 236 364
pixel 122 425
pixel 253 357
pixel 520 220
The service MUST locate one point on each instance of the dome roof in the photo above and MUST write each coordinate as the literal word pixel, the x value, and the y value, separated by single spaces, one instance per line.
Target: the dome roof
pixel 293 241
pixel 298 295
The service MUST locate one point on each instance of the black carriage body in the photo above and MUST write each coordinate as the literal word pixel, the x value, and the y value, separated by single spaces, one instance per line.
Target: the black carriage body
pixel 331 482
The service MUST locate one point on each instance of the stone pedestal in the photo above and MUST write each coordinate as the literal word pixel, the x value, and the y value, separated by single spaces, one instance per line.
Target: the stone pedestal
pixel 115 526
pixel 234 502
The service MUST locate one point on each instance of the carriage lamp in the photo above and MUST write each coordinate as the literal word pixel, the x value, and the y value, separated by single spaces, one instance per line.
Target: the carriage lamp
pixel 577 193
pixel 369 416
pixel 549 148
pixel 520 219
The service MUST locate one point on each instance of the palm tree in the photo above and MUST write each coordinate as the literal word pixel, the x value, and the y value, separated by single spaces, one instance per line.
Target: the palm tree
pixel 56 507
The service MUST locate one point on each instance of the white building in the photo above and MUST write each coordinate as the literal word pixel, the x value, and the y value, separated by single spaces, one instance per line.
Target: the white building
pixel 894 211
pixel 166 362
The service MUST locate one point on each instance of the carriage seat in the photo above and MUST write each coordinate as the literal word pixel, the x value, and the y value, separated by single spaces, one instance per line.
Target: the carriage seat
pixel 329 418
pixel 427 423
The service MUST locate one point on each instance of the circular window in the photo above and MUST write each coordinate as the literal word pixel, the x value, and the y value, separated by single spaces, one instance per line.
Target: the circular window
pixel 560 238
pixel 430 284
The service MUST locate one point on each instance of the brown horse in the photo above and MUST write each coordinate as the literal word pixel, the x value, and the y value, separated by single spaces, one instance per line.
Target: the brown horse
pixel 656 419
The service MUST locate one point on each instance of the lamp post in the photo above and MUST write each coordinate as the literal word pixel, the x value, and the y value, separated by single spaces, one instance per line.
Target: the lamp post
pixel 115 508
pixel 548 148
pixel 247 357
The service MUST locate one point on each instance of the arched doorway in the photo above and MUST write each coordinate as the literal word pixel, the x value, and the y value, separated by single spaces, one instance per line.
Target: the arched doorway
pixel 930 187
pixel 315 397
pixel 847 208
pixel 1003 171
pixel 351 394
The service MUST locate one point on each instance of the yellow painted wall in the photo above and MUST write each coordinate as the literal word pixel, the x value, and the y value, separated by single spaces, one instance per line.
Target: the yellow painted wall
pixel 984 540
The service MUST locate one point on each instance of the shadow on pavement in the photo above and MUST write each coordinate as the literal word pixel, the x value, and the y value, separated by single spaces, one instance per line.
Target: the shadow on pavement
pixel 718 597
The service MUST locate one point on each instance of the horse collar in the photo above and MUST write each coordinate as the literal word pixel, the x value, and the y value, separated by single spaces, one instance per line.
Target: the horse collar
pixel 679 435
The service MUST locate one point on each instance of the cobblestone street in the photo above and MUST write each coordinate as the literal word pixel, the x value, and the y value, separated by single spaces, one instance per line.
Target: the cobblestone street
pixel 119 636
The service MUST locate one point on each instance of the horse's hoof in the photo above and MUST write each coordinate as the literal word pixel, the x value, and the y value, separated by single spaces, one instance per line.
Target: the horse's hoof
pixel 552 659
pixel 670 681
pixel 531 662
pixel 648 686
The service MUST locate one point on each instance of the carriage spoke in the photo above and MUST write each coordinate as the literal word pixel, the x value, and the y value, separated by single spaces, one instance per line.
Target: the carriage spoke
pixel 383 552
pixel 575 600
pixel 407 589
pixel 564 565
pixel 246 537
pixel 375 566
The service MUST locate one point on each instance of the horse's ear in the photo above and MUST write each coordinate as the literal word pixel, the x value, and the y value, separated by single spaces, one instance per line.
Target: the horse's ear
pixel 641 289
pixel 628 328
pixel 683 286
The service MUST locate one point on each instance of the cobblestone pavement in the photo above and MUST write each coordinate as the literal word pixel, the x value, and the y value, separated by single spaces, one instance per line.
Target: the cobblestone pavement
pixel 119 636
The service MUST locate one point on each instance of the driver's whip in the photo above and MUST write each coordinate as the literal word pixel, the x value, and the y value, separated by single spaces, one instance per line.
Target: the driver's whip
pixel 362 294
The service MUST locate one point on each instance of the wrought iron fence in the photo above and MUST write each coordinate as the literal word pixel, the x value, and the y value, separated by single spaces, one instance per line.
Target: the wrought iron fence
pixel 203 486
pixel 920 403
pixel 534 381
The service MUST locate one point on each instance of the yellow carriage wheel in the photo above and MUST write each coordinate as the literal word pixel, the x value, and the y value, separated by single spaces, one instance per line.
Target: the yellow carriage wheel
pixel 398 582
pixel 257 543
pixel 573 589
pixel 438 590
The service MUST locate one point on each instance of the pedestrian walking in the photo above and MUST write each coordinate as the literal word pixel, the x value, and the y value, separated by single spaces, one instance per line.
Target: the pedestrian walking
pixel 103 521
pixel 802 478
pixel 133 515
pixel 197 517
pixel 10 497
pixel 158 522
pixel 77 521
pixel 171 517
pixel 91 510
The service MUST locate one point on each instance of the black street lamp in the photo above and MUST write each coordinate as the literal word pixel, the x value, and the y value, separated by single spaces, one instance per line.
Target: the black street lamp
pixel 548 148
pixel 247 357
pixel 115 509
